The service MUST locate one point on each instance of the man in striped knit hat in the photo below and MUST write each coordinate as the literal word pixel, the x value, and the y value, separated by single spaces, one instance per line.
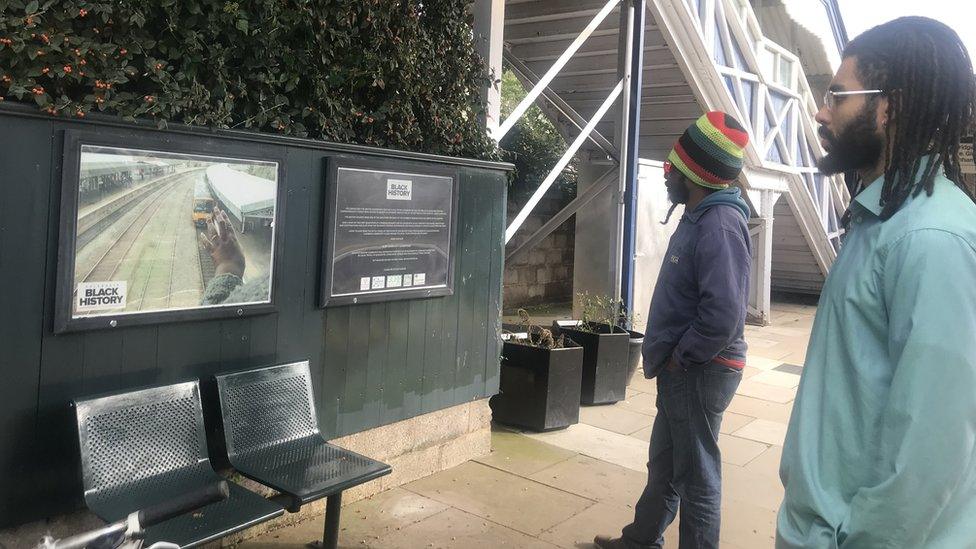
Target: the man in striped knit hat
pixel 694 343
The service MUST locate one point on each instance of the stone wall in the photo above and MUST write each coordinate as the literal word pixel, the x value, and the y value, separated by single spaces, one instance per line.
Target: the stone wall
pixel 543 274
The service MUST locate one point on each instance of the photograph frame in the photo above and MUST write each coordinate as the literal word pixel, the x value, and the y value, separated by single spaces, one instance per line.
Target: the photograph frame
pixel 64 320
pixel 333 163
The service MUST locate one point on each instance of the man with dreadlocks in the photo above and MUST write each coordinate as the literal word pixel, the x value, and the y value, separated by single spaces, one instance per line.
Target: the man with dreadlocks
pixel 881 447
pixel 694 344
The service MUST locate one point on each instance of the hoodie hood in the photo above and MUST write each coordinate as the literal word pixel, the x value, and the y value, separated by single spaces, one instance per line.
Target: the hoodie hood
pixel 729 197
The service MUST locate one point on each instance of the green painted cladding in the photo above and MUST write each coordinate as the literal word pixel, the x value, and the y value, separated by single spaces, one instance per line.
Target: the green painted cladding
pixel 371 364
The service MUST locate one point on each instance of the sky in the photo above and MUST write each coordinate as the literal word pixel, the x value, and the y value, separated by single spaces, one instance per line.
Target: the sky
pixel 861 15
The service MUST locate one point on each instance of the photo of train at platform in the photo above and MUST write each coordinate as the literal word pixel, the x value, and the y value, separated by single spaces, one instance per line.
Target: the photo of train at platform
pixel 142 220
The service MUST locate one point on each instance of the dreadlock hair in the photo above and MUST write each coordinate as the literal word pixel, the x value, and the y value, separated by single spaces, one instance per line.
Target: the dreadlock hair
pixel 926 73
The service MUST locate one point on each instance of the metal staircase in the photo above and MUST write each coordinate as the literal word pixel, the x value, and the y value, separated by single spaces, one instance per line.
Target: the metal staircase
pixel 697 55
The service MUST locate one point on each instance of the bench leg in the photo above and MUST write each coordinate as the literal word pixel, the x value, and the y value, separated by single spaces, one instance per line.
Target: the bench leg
pixel 333 505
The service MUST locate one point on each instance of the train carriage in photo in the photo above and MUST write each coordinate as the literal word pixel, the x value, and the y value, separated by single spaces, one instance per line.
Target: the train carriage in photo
pixel 203 203
pixel 248 199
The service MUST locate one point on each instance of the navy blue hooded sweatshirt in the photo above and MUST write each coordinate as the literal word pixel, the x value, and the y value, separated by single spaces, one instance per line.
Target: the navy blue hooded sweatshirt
pixel 698 309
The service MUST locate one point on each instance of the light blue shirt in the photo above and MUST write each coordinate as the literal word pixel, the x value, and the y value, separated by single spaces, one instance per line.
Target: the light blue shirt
pixel 881 448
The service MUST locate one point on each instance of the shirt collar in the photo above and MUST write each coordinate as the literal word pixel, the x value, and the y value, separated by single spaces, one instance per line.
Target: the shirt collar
pixel 870 197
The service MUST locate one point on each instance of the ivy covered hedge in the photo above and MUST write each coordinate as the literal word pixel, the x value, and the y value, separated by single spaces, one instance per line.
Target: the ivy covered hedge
pixel 393 73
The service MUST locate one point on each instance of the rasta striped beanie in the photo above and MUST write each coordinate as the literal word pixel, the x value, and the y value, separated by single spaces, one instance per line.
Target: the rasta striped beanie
pixel 710 151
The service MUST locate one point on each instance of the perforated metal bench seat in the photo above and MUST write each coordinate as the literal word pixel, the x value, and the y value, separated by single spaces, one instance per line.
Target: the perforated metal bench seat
pixel 308 468
pixel 273 437
pixel 145 447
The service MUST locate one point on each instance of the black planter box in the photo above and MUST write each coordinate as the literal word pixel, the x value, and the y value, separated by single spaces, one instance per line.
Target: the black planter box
pixel 634 358
pixel 606 355
pixel 540 388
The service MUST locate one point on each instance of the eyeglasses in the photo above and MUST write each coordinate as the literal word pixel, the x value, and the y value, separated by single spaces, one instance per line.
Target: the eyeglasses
pixel 830 98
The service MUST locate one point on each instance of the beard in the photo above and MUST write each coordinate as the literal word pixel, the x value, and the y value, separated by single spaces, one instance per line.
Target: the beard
pixel 678 192
pixel 857 147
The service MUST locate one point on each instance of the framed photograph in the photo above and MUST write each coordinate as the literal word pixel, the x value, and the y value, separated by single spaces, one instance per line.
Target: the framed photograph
pixel 153 233
pixel 391 231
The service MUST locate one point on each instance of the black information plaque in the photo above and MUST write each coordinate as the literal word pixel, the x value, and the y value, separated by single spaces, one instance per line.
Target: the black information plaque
pixel 390 231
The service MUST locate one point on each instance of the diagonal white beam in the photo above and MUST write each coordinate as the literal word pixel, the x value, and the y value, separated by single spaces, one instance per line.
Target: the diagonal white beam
pixel 561 165
pixel 547 78
pixel 524 74
pixel 592 191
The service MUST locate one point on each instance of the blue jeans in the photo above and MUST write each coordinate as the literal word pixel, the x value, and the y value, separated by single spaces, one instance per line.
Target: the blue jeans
pixel 685 467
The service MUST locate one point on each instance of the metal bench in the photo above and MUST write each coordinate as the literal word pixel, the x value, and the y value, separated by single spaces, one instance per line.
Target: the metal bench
pixel 273 437
pixel 145 447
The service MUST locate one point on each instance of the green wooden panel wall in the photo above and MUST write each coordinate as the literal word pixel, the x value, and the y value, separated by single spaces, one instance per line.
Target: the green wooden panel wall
pixel 372 364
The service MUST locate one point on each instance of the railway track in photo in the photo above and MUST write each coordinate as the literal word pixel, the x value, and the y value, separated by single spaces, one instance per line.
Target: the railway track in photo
pixel 94 222
pixel 108 264
pixel 156 289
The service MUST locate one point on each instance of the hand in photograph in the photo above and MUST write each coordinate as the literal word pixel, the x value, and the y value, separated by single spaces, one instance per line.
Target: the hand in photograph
pixel 221 242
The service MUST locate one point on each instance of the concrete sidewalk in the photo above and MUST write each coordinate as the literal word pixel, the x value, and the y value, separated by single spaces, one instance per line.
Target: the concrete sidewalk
pixel 559 489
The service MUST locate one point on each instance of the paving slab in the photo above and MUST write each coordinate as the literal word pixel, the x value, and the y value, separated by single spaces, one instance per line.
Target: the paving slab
pixel 521 455
pixel 456 529
pixel 643 385
pixel 361 523
pixel 599 443
pixel 739 451
pixel 762 409
pixel 778 378
pixel 767 463
pixel 644 434
pixel 749 372
pixel 501 497
pixel 595 479
pixel 762 430
pixel 760 362
pixel 732 422
pixel 764 391
pixel 643 403
pixel 790 368
pixel 615 418
pixel 603 519
pixel 747 525
pixel 740 485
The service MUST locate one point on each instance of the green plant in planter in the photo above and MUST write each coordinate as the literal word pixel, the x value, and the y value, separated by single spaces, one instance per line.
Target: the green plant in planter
pixel 541 377
pixel 605 349
pixel 535 336
pixel 601 310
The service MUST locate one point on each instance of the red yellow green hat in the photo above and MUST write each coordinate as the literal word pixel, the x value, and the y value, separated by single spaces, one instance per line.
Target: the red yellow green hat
pixel 710 152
